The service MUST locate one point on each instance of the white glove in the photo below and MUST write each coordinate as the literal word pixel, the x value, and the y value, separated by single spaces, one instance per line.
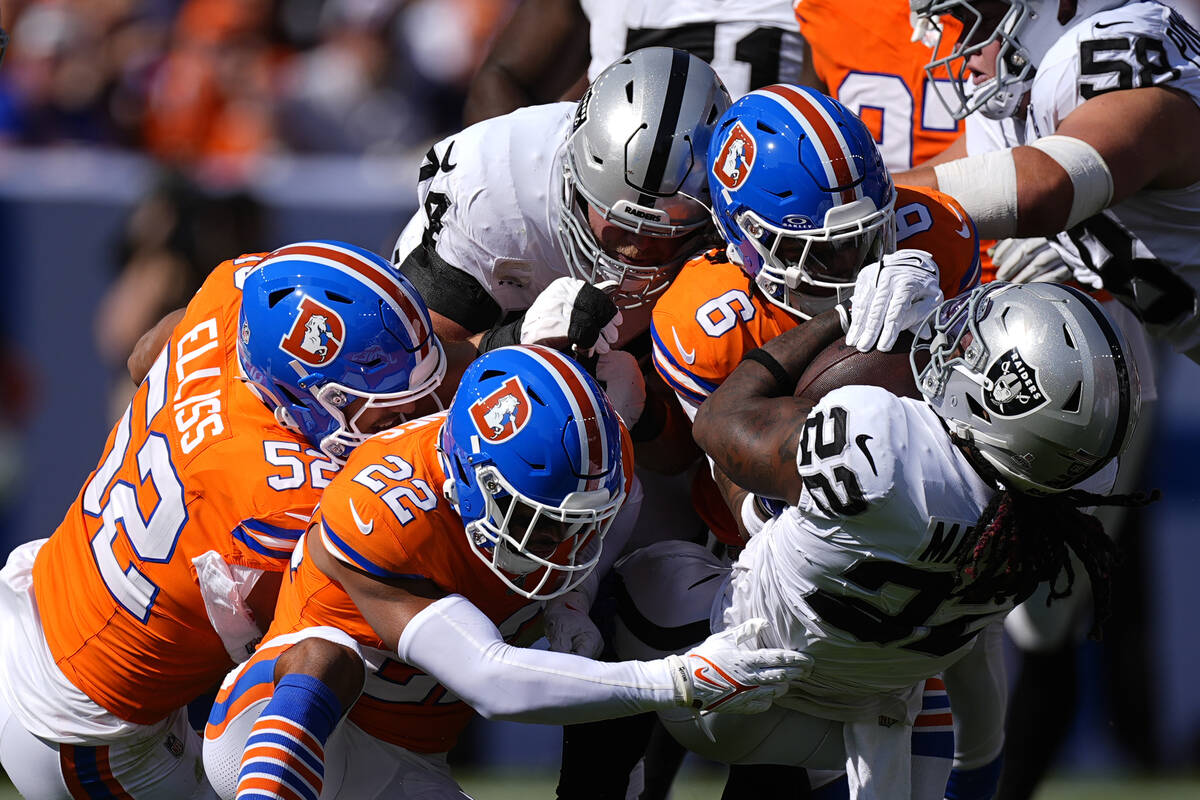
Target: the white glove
pixel 893 295
pixel 723 673
pixel 572 313
pixel 569 629
pixel 1069 252
pixel 621 378
pixel 1032 260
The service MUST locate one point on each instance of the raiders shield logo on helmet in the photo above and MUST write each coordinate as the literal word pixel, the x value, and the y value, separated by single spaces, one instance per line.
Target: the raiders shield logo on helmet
pixel 317 334
pixel 1014 389
pixel 736 158
pixel 503 413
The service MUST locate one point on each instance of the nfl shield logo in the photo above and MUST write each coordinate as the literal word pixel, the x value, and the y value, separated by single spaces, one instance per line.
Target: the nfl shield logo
pixel 503 413
pixel 317 334
pixel 736 157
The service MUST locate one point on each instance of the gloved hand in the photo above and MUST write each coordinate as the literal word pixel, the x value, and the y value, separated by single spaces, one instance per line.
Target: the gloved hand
pixel 621 378
pixel 572 313
pixel 1033 260
pixel 569 629
pixel 1069 252
pixel 891 296
pixel 726 673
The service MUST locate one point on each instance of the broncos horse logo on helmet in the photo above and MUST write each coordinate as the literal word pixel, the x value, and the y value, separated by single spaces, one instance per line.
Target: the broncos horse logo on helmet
pixel 330 332
pixel 536 499
pixel 813 202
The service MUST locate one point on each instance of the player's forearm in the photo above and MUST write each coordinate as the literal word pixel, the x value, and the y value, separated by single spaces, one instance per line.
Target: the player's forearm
pixel 456 643
pixel 750 425
pixel 151 344
pixel 1032 190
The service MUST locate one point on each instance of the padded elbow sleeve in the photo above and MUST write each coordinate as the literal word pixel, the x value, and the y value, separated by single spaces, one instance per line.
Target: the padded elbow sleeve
pixel 1090 177
pixel 986 186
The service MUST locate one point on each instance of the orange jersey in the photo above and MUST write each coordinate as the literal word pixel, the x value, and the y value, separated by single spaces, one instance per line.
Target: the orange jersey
pixel 712 314
pixel 386 515
pixel 196 465
pixel 862 53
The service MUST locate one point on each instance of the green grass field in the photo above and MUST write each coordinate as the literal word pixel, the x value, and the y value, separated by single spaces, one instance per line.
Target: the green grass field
pixel 698 785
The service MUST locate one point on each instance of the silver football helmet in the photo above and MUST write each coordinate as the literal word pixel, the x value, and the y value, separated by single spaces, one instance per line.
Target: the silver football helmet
pixel 635 158
pixel 1025 29
pixel 1035 378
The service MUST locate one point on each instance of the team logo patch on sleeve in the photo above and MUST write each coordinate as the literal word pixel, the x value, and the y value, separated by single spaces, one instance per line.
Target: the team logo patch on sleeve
pixel 1015 390
pixel 736 158
pixel 503 413
pixel 316 335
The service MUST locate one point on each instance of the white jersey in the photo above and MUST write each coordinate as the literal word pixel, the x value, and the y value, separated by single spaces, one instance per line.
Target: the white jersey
pixel 860 574
pixel 750 43
pixel 1145 247
pixel 489 204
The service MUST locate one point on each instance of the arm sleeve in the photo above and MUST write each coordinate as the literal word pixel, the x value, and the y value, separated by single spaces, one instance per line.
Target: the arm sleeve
pixel 456 643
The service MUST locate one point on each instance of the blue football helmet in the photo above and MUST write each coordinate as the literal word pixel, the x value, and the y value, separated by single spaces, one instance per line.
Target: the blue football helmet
pixel 533 460
pixel 801 195
pixel 328 332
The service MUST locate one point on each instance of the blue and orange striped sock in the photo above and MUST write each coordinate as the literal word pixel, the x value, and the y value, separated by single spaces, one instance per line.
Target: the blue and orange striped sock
pixel 285 752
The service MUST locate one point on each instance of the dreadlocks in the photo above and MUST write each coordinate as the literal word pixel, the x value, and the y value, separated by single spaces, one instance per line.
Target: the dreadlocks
pixel 1021 540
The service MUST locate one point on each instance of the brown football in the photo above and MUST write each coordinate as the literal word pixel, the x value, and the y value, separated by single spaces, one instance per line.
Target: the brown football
pixel 839 365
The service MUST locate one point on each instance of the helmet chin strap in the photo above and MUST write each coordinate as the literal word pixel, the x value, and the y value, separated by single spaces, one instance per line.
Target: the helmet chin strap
pixel 285 418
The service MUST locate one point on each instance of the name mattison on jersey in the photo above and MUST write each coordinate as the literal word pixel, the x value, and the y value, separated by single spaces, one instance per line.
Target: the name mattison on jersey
pixel 947 539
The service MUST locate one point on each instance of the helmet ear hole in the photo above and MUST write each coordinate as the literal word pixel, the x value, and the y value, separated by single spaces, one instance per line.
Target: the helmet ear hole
pixel 1072 403
pixel 1067 337
pixel 977 409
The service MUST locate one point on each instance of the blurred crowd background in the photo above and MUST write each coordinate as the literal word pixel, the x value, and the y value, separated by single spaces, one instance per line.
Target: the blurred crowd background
pixel 214 85
pixel 144 141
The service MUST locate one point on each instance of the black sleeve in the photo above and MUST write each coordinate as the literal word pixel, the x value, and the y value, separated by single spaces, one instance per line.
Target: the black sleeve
pixel 448 290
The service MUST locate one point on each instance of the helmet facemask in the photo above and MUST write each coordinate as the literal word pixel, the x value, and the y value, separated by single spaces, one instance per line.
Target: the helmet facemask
pixel 807 272
pixel 634 284
pixel 998 97
pixel 1036 382
pixel 337 399
pixel 538 550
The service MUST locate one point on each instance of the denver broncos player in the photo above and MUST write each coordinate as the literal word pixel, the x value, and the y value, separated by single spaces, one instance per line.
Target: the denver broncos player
pixel 429 555
pixel 166 567
pixel 805 202
pixel 862 54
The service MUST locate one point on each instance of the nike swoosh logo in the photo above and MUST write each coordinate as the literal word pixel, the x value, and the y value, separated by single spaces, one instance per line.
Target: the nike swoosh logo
pixel 964 231
pixel 688 358
pixel 1100 25
pixel 364 528
pixel 861 440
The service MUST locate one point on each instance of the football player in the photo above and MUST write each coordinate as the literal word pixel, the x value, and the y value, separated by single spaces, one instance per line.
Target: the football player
pixel 805 203
pixel 1121 200
pixel 524 216
pixel 862 56
pixel 165 570
pixel 551 46
pixel 426 562
pixel 797 246
pixel 911 525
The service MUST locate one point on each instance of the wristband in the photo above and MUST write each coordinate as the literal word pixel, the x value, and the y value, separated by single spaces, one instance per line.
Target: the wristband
pixel 503 335
pixel 784 384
